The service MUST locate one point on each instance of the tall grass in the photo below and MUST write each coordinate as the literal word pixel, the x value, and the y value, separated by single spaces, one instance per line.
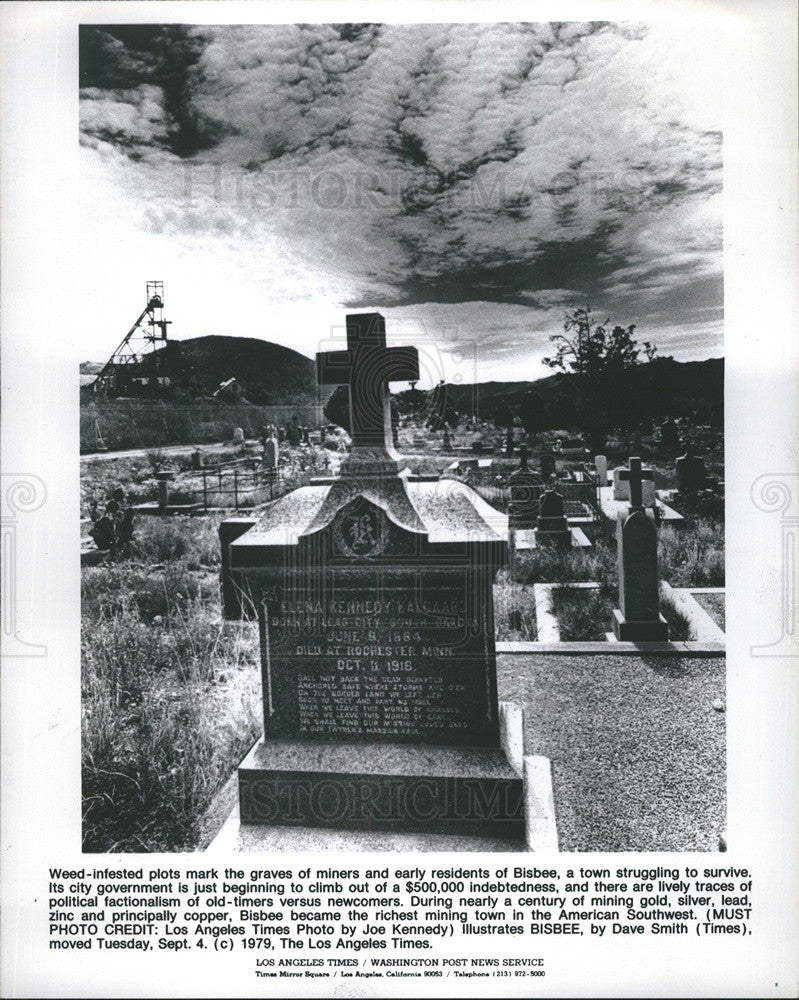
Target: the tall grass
pixel 514 611
pixel 693 556
pixel 170 694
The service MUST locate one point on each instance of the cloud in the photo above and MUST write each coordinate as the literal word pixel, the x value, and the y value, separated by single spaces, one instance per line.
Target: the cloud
pixel 414 165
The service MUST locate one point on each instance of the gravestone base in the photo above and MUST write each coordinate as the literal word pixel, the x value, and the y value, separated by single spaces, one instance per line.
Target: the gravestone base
pixel 553 531
pixel 639 631
pixel 469 798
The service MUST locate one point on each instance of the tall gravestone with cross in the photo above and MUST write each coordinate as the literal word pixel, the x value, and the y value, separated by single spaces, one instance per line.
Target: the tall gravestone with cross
pixel 373 593
pixel 526 489
pixel 638 618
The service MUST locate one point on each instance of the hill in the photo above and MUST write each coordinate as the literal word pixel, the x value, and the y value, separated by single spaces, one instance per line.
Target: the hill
pixel 662 387
pixel 267 373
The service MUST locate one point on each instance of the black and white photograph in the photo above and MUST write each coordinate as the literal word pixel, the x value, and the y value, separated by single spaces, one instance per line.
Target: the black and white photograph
pixel 399 502
pixel 421 482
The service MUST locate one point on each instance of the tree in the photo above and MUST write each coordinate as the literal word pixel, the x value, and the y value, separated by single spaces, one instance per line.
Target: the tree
pixel 600 358
pixel 337 408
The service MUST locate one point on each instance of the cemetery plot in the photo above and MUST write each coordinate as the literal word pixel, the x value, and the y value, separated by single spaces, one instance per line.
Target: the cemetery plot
pixel 611 725
pixel 375 655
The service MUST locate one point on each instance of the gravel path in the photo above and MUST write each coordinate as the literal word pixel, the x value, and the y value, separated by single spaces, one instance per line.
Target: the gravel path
pixel 637 749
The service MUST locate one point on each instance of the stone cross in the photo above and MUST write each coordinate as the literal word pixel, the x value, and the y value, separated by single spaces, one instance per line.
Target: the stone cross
pixel 367 367
pixel 635 475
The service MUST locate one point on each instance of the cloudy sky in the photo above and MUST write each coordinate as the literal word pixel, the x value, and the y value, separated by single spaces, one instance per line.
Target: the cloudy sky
pixel 470 181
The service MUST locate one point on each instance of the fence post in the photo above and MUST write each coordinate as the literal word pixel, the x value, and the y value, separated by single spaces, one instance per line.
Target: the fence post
pixel 205 490
pixel 236 489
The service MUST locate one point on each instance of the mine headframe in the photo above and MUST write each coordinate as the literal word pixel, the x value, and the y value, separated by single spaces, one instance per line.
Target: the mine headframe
pixel 136 361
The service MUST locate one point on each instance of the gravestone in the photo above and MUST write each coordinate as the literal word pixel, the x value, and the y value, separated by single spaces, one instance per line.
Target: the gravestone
pixel 601 466
pixel 477 446
pixel 293 435
pixel 548 464
pixel 271 453
pixel 691 472
pixel 648 492
pixel 238 435
pixel 638 618
pixel 163 478
pixel 669 436
pixel 552 527
pixel 526 488
pixel 558 446
pixel 281 435
pixel 197 459
pixel 510 442
pixel 446 442
pixel 374 598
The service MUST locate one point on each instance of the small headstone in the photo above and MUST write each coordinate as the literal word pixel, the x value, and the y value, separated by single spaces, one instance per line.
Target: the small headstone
pixel 293 435
pixel 648 493
pixel 197 459
pixel 281 434
pixel 446 442
pixel 477 446
pixel 601 465
pixel 271 453
pixel 552 527
pixel 548 464
pixel 691 471
pixel 621 487
pixel 558 446
pixel 163 478
pixel 510 442
pixel 669 436
pixel 238 435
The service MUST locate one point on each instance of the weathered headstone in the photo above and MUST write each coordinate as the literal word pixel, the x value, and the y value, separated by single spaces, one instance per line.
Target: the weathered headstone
pixel 691 471
pixel 374 597
pixel 669 436
pixel 552 527
pixel 238 435
pixel 601 466
pixel 281 435
pixel 548 464
pixel 271 452
pixel 526 488
pixel 446 442
pixel 638 618
pixel 648 492
pixel 163 478
pixel 510 442
pixel 293 435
